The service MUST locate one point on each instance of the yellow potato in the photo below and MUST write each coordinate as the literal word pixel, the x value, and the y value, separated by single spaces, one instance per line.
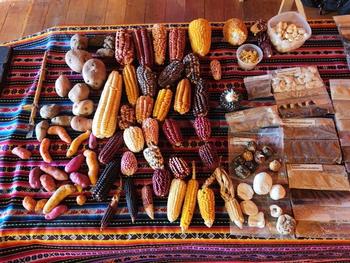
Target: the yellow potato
pixel 62 192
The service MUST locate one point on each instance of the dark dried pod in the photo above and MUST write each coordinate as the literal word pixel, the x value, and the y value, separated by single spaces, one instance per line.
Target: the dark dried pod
pixel 111 148
pixel 229 100
pixel 267 151
pixel 192 67
pixel 172 132
pixel 251 165
pixel 131 197
pixel 259 157
pixel 202 127
pixel 127 116
pixel 200 104
pixel 161 181
pixel 147 80
pixel 171 74
pixel 179 167
pixel 143 45
pixel 177 43
pixel 124 47
pixel 238 161
pixel 242 171
pixel 106 180
pixel 209 155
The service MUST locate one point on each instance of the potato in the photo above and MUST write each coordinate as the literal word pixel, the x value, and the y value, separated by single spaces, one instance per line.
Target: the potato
pixel 41 130
pixel 80 179
pixel 21 152
pixel 48 183
pixel 81 124
pixel 34 178
pixel 55 172
pixel 83 108
pixel 40 205
pixel 94 73
pixel 75 59
pixel 78 42
pixel 81 199
pixel 29 203
pixel 79 92
pixel 56 212
pixel 62 86
pixel 61 193
pixel 63 120
pixel 74 164
pixel 49 111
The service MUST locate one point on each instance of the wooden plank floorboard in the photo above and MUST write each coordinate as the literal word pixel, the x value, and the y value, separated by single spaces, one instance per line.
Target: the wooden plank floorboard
pixel 135 11
pixel 56 14
pixel 76 12
pixel 115 13
pixel 36 17
pixel 96 12
pixel 155 11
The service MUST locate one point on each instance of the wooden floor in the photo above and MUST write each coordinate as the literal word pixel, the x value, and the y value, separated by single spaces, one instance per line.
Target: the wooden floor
pixel 22 17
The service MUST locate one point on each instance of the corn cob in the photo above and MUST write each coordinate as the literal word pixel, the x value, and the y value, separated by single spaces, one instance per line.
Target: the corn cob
pixel 110 149
pixel 200 103
pixel 124 47
pixel 161 181
pixel 215 68
pixel 106 180
pixel 209 156
pixel 147 80
pixel 177 43
pixel 192 67
pixel 147 200
pixel 131 197
pixel 150 130
pixel 190 201
pixel 133 139
pixel 104 123
pixel 182 102
pixel 162 104
pixel 179 167
pixel 143 46
pixel 111 209
pixel 234 211
pixel 159 34
pixel 171 74
pixel 127 116
pixel 206 203
pixel 131 86
pixel 144 108
pixel 175 199
pixel 128 164
pixel 202 127
pixel 154 157
pixel 172 132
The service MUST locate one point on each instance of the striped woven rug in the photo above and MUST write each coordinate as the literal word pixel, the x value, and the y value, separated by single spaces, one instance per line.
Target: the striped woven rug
pixel 75 236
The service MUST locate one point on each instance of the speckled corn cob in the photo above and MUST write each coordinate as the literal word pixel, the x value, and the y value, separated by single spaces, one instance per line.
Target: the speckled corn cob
pixel 159 34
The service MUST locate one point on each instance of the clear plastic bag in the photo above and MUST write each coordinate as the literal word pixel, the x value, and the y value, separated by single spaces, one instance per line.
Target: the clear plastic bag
pixel 258 86
pixel 340 89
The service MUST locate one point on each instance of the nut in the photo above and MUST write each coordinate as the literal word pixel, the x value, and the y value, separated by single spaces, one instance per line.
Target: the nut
pixel 128 163
pixel 249 208
pixel 179 167
pixel 277 192
pixel 245 191
pixel 154 157
pixel 161 181
pixel 202 127
pixel 177 43
pixel 275 210
pixel 285 224
pixel 257 220
pixel 172 132
pixel 215 68
pixel 262 183
pixel 275 166
pixel 208 155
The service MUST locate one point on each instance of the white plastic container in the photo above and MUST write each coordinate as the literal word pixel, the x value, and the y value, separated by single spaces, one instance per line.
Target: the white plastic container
pixel 248 66
pixel 290 17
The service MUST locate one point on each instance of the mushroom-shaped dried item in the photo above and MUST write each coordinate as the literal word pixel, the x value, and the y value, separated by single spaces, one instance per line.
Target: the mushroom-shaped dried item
pixel 259 157
pixel 285 224
pixel 245 191
pixel 229 100
pixel 257 220
pixel 275 211
pixel 78 41
pixel 267 151
pixel 275 166
pixel 209 155
pixel 235 31
pixel 262 183
pixel 247 156
pixel 277 192
pixel 249 208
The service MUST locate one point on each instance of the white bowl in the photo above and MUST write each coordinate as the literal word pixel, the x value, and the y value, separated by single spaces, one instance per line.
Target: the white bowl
pixel 248 66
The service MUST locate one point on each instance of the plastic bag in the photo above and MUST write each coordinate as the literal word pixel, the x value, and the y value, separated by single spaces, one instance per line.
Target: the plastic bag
pixel 258 86
pixel 340 89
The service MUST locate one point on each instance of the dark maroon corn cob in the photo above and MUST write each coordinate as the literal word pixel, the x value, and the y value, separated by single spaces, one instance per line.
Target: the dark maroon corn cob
pixel 202 127
pixel 144 48
pixel 172 132
pixel 179 167
pixel 171 74
pixel 209 155
pixel 200 103
pixel 177 43
pixel 192 67
pixel 111 147
pixel 161 181
pixel 110 211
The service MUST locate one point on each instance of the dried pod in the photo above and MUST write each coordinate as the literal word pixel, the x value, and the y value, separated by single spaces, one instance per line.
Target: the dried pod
pixel 147 200
pixel 209 156
pixel 215 68
pixel 162 104
pixel 147 80
pixel 144 108
pixel 267 151
pixel 161 181
pixel 124 47
pixel 242 171
pixel 257 220
pixel 159 34
pixel 128 163
pixel 172 132
pixel 200 103
pixel 143 45
pixel 105 181
pixel 249 208
pixel 133 139
pixel 259 157
pixel 179 167
pixel 202 127
pixel 110 149
pixel 247 156
pixel 177 43
pixel 192 67
pixel 285 224
pixel 245 191
pixel 171 73
pixel 131 197
pixel 229 100
pixel 154 157
pixel 150 130
pixel 182 102
pixel 275 166
pixel 131 86
pixel 251 165
pixel 127 117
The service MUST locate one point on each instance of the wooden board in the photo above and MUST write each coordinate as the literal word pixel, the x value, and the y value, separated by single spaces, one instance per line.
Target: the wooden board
pixel 76 12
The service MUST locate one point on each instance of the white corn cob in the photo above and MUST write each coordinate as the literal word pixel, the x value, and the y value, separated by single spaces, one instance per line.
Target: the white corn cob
pixel 175 199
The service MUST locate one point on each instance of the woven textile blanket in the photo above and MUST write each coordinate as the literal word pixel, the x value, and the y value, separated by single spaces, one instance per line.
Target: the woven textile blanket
pixel 75 236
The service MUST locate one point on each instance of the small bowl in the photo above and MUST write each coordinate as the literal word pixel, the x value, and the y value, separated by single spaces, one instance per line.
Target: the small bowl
pixel 248 66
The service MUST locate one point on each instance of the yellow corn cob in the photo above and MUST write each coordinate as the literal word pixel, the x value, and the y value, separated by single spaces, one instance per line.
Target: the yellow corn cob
pixel 104 123
pixel 162 105
pixel 175 198
pixel 234 211
pixel 199 31
pixel 131 86
pixel 182 102
pixel 206 203
pixel 190 201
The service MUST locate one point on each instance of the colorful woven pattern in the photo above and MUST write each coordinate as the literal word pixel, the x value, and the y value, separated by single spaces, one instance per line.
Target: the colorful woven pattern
pixel 75 236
